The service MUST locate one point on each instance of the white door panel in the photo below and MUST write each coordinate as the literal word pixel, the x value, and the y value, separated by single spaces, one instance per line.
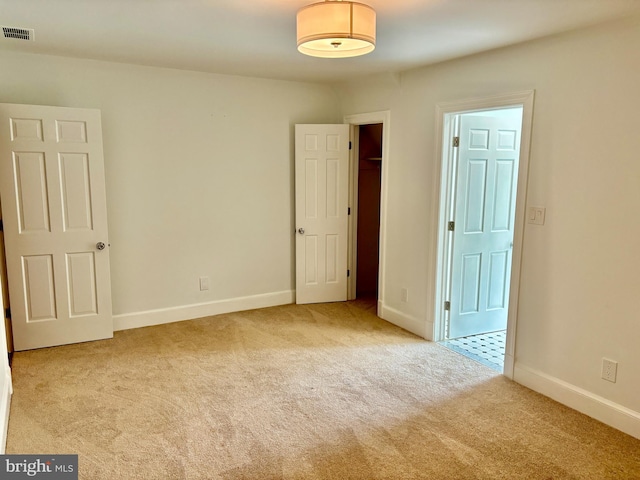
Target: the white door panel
pixel 484 216
pixel 6 388
pixel 322 161
pixel 54 212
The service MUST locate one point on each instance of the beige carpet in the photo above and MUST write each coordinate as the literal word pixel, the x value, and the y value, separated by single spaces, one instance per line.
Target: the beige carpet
pixel 297 392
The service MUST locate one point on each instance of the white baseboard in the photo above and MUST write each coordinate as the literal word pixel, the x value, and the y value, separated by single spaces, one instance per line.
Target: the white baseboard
pixel 188 312
pixel 412 324
pixel 606 411
pixel 5 404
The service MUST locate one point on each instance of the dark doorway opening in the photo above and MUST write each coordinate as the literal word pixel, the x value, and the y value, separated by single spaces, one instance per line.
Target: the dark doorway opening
pixel 368 229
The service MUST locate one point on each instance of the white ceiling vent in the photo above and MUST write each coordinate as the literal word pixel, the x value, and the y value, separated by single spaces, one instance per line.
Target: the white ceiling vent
pixel 18 33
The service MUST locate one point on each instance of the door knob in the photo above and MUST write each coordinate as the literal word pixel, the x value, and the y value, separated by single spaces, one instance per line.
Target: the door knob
pixel 301 231
pixel 100 245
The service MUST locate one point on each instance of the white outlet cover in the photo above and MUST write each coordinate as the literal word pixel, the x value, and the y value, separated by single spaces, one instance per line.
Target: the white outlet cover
pixel 609 370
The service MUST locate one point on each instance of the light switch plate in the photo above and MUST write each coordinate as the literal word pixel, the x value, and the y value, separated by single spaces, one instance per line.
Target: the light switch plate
pixel 535 215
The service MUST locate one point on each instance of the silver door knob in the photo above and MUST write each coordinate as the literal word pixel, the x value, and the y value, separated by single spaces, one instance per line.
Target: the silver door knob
pixel 301 231
pixel 100 245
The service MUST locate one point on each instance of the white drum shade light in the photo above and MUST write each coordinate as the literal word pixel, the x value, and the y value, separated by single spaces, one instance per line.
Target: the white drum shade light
pixel 336 29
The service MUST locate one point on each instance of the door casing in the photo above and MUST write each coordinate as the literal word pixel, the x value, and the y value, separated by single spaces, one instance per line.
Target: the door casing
pixel 445 113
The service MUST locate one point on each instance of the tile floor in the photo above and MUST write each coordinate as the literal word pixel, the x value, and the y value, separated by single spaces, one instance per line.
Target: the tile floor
pixel 486 348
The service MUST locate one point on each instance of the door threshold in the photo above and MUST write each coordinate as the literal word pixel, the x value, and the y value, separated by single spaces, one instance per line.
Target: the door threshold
pixel 485 348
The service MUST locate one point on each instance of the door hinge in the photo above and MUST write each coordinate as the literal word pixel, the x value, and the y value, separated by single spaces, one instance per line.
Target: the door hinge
pixel 349 211
pixel 348 273
pixel 447 305
pixel 350 145
pixel 456 141
pixel 451 226
pixel 7 313
pixel 1 226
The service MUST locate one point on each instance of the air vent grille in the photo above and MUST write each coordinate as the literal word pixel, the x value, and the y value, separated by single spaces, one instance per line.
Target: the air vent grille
pixel 18 33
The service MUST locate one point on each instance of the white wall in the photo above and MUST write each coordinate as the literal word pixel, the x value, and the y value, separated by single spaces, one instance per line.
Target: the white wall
pixel 581 270
pixel 199 174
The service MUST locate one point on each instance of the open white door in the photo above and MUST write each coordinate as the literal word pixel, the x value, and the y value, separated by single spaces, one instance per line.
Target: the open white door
pixel 6 389
pixel 321 189
pixel 55 222
pixel 485 196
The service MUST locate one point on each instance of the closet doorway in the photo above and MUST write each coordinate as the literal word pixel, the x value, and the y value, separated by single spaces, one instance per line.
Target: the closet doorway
pixel 368 218
pixel 368 167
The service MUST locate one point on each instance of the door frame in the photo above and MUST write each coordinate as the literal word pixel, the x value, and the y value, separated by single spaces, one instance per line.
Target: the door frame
pixel 445 114
pixel 355 120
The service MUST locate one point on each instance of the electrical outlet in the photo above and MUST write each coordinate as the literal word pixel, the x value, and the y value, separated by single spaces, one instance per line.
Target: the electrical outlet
pixel 204 283
pixel 404 295
pixel 609 370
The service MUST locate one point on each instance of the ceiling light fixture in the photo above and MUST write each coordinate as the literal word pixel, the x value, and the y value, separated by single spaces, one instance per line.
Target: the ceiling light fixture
pixel 336 29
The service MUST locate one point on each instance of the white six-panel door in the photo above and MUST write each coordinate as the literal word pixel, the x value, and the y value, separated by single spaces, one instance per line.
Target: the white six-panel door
pixel 55 221
pixel 321 191
pixel 484 216
pixel 6 388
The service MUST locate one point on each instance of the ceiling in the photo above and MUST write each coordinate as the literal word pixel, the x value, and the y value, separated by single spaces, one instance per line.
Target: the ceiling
pixel 258 37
